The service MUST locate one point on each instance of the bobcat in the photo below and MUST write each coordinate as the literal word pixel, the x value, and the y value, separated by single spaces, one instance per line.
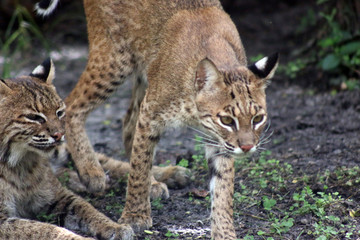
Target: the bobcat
pixel 190 68
pixel 32 125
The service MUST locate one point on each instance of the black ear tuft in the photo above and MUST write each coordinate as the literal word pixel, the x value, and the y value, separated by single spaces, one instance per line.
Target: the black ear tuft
pixel 4 88
pixel 265 67
pixel 45 71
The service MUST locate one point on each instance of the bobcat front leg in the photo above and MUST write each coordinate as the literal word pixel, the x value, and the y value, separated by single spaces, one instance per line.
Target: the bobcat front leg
pixel 222 190
pixel 17 228
pixel 103 74
pixel 137 211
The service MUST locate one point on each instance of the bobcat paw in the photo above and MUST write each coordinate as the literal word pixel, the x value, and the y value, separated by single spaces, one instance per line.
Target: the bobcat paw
pixel 138 222
pixel 174 177
pixel 120 231
pixel 159 190
pixel 93 177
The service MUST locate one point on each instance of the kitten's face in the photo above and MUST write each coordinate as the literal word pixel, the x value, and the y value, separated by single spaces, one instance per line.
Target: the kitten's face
pixel 34 118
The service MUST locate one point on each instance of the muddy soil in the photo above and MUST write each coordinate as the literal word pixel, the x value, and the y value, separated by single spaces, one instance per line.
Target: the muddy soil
pixel 313 131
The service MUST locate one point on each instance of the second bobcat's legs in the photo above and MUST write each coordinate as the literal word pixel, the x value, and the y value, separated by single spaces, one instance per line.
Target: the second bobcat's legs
pixel 129 123
pixel 103 74
pixel 137 210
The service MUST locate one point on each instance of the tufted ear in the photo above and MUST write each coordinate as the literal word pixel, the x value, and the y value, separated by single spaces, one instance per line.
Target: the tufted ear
pixel 4 88
pixel 265 67
pixel 45 71
pixel 206 74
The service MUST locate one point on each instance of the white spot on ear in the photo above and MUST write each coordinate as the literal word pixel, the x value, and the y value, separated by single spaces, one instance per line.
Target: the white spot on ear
pixel 261 64
pixel 39 70
pixel 46 11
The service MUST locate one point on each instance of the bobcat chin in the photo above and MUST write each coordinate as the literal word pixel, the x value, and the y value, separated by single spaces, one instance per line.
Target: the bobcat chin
pixel 189 67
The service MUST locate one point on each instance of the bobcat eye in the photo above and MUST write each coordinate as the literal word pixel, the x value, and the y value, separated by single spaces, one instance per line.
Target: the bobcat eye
pixel 226 120
pixel 60 113
pixel 258 119
pixel 35 118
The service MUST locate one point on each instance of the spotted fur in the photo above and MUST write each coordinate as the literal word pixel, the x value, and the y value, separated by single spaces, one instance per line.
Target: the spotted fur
pixel 189 57
pixel 32 125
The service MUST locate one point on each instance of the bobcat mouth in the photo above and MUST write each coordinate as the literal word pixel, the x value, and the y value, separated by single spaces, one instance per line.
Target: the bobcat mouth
pixel 45 146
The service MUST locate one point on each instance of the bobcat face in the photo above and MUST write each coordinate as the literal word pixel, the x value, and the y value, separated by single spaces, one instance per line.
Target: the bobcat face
pixel 232 105
pixel 34 115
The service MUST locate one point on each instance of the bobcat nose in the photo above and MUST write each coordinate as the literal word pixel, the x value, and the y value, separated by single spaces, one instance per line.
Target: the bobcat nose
pixel 57 136
pixel 246 148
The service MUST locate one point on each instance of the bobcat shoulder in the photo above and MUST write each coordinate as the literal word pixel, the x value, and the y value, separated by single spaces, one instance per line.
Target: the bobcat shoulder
pixel 190 68
pixel 31 127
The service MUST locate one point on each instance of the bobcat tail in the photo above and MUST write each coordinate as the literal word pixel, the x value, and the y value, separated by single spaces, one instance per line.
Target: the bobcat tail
pixel 46 7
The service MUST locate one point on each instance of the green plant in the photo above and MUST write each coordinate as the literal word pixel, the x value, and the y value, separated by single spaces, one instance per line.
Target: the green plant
pixel 117 207
pixel 156 203
pixel 44 217
pixel 64 178
pixel 339 49
pixel 268 203
pixel 293 68
pixel 334 50
pixel 183 163
pixel 170 235
pixel 282 226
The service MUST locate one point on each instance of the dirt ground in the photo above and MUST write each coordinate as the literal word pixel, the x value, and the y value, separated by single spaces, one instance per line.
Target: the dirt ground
pixel 314 131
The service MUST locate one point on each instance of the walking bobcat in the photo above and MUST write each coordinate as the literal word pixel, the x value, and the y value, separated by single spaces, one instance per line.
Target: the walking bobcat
pixel 32 125
pixel 190 68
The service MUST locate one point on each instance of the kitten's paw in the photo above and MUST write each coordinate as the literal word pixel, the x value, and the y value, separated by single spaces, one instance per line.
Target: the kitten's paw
pixel 159 190
pixel 116 232
pixel 93 177
pixel 174 177
pixel 138 222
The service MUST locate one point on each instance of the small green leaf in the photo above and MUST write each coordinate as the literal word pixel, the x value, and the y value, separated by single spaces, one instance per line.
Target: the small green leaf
pixel 268 203
pixel 331 61
pixel 350 47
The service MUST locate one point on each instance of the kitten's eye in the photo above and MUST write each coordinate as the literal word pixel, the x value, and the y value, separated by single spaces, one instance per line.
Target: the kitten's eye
pixel 60 113
pixel 35 118
pixel 258 119
pixel 226 120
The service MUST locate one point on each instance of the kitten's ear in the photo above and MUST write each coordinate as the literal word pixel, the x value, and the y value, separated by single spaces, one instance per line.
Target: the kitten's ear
pixel 4 88
pixel 206 74
pixel 45 71
pixel 265 67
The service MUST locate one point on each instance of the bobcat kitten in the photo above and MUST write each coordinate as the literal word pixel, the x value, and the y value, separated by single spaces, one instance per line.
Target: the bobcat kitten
pixel 189 67
pixel 32 125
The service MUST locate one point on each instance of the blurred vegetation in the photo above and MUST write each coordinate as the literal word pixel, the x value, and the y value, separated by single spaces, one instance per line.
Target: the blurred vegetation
pixel 24 35
pixel 18 36
pixel 333 50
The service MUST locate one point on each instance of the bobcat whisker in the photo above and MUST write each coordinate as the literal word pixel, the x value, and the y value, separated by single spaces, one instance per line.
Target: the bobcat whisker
pixel 204 140
pixel 220 153
pixel 201 132
pixel 268 126
pixel 265 138
pixel 264 142
pixel 207 140
pixel 261 148
pixel 209 144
